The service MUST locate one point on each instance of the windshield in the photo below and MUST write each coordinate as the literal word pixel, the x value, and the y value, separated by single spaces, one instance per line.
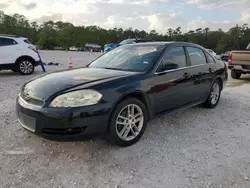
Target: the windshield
pixel 128 41
pixel 129 58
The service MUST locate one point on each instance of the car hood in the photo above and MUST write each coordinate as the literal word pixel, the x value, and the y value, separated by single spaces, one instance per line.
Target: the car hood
pixel 41 88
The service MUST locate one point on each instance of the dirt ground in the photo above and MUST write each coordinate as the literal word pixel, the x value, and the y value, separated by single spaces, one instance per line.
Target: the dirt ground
pixel 194 148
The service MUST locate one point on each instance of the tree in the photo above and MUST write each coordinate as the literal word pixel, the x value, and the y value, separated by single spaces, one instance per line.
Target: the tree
pixel 63 34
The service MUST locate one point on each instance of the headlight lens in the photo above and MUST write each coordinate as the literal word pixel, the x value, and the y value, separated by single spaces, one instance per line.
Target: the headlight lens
pixel 77 98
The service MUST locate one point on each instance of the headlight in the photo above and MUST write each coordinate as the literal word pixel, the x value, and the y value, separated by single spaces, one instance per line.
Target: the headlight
pixel 77 98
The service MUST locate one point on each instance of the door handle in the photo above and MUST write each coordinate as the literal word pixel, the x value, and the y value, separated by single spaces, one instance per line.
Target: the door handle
pixel 211 70
pixel 186 75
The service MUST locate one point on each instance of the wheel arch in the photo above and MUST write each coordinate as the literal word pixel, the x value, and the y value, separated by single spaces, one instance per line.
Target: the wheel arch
pixel 24 57
pixel 140 95
pixel 221 82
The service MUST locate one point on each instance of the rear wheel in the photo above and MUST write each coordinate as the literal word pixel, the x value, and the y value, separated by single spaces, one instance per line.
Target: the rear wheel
pixel 235 75
pixel 128 122
pixel 25 66
pixel 214 95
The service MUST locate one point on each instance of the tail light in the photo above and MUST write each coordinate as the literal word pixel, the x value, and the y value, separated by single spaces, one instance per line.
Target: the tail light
pixel 230 57
pixel 32 48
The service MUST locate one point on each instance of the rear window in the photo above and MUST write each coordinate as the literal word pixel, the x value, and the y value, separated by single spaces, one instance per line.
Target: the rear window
pixel 27 41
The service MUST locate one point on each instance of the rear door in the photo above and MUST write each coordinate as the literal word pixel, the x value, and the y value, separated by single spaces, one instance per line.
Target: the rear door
pixel 9 50
pixel 202 66
pixel 172 82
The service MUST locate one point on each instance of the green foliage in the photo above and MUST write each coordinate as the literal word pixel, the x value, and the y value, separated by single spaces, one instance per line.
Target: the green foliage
pixel 50 35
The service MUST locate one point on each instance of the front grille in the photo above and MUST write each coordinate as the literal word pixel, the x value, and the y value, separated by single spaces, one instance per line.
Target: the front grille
pixel 69 131
pixel 245 66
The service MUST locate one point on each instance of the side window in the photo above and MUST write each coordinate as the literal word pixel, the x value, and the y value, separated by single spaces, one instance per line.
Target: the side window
pixel 196 55
pixel 27 41
pixel 173 59
pixel 210 59
pixel 7 42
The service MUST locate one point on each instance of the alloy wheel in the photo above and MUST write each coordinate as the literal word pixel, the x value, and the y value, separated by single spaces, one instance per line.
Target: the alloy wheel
pixel 26 67
pixel 215 93
pixel 129 122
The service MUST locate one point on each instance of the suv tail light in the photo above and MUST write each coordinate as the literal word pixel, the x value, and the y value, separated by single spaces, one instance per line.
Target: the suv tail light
pixel 32 48
pixel 230 57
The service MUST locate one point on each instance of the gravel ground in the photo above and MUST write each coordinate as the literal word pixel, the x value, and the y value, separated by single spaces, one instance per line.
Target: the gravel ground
pixel 193 148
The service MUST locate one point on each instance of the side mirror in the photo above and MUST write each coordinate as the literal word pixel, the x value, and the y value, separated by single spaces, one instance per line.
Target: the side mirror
pixel 167 66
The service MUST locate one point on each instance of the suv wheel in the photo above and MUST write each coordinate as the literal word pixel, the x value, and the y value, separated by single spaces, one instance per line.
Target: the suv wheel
pixel 214 95
pixel 26 66
pixel 235 75
pixel 128 122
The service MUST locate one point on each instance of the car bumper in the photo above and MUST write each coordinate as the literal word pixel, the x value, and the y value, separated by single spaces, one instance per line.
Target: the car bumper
pixel 37 63
pixel 56 123
pixel 245 69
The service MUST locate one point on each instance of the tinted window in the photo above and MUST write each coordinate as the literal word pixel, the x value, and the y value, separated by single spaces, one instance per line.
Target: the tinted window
pixel 196 55
pixel 7 42
pixel 210 59
pixel 173 59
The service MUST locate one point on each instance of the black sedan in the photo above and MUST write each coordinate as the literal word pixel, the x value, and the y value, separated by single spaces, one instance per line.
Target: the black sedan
pixel 118 93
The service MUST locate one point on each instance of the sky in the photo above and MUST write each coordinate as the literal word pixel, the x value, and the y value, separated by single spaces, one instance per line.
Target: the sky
pixel 138 14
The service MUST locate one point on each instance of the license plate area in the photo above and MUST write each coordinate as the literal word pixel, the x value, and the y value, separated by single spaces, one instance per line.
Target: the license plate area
pixel 27 122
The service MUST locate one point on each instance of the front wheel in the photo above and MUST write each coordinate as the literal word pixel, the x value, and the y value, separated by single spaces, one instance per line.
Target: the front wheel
pixel 214 95
pixel 128 122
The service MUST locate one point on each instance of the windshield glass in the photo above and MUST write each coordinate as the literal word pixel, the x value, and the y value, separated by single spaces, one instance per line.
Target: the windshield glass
pixel 129 58
pixel 128 41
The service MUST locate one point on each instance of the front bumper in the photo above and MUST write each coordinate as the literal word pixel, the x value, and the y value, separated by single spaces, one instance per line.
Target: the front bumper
pixel 63 122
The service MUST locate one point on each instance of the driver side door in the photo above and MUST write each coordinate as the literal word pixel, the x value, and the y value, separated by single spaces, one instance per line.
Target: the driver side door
pixel 172 81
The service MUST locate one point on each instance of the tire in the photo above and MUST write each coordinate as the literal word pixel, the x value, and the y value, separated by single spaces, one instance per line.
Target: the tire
pixel 126 132
pixel 25 66
pixel 214 95
pixel 235 75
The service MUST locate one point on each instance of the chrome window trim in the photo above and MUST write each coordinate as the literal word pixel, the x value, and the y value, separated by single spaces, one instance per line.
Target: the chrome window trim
pixel 172 70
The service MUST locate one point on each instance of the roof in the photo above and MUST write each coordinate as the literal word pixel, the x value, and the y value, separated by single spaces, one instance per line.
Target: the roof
pixel 165 43
pixel 7 35
pixel 152 43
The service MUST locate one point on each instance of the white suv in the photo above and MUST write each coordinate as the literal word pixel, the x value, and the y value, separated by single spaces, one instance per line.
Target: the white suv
pixel 18 54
